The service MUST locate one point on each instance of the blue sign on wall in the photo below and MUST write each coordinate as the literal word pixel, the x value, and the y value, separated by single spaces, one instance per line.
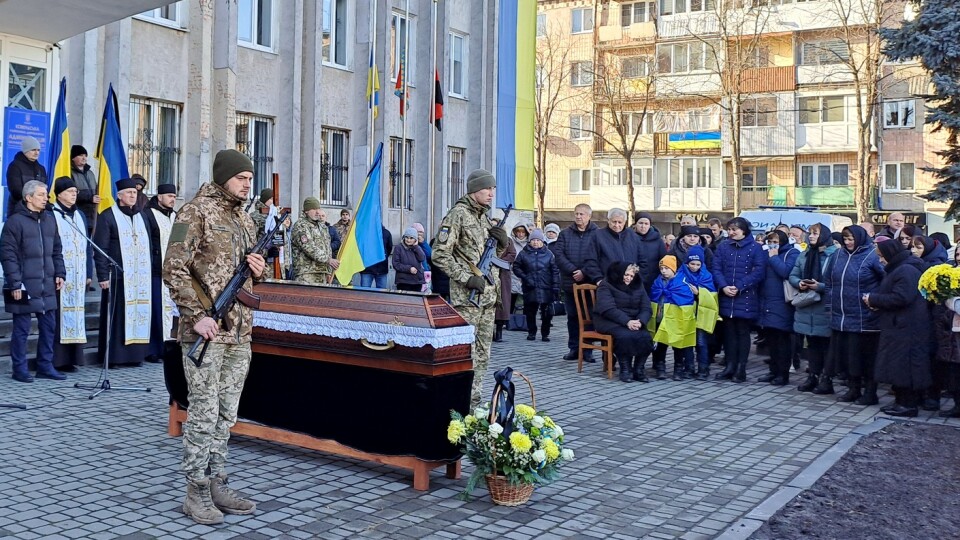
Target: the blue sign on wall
pixel 17 125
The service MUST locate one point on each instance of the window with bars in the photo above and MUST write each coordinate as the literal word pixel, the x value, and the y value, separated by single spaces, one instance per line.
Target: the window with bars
pixel 26 87
pixel 153 142
pixel 401 190
pixel 458 183
pixel 334 156
pixel 255 139
pixel 255 23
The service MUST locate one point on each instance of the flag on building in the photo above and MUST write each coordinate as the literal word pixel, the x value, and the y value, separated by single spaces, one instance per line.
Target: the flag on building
pixel 58 156
pixel 110 153
pixel 373 87
pixel 436 114
pixel 517 45
pixel 398 90
pixel 362 246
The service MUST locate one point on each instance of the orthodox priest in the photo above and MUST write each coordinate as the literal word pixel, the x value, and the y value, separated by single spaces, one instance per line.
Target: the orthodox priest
pixel 71 336
pixel 159 217
pixel 122 234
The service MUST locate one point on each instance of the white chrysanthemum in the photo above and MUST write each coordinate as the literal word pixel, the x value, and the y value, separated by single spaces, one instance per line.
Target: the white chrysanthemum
pixel 537 422
pixel 539 456
pixel 496 429
pixel 558 430
pixel 567 454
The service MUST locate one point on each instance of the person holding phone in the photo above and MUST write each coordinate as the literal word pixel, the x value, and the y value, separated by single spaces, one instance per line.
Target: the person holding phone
pixel 812 321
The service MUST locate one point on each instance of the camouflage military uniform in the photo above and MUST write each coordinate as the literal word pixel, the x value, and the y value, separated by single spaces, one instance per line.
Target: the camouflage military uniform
pixel 457 250
pixel 311 250
pixel 209 238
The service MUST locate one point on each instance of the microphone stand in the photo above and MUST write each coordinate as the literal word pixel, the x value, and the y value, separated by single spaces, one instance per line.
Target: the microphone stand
pixel 104 381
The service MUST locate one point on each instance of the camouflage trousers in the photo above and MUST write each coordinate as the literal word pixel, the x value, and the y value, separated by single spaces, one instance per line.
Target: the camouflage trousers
pixel 214 394
pixel 482 319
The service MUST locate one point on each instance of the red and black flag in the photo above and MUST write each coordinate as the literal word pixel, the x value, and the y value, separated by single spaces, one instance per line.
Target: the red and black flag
pixel 436 115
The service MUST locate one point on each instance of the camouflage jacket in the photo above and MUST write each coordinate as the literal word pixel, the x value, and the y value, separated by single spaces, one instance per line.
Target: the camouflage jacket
pixel 458 248
pixel 259 217
pixel 311 250
pixel 209 239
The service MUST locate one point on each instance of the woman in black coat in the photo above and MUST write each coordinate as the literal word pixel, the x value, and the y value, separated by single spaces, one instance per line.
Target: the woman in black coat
pixel 623 310
pixel 904 363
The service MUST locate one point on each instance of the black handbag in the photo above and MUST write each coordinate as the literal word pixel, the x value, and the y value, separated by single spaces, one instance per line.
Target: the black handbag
pixel 557 308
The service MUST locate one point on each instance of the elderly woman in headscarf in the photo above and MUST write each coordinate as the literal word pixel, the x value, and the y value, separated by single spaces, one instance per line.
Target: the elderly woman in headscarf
pixel 904 363
pixel 855 273
pixel 812 320
pixel 623 311
pixel 519 237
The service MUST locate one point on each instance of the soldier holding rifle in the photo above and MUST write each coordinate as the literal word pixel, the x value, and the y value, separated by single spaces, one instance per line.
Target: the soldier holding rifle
pixel 210 238
pixel 458 250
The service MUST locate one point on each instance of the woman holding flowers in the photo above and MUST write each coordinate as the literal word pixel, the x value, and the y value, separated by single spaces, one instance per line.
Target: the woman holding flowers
pixel 904 363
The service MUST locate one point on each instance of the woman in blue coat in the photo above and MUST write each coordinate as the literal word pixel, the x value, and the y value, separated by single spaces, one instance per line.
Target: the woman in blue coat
pixel 536 267
pixel 812 321
pixel 776 315
pixel 738 268
pixel 856 272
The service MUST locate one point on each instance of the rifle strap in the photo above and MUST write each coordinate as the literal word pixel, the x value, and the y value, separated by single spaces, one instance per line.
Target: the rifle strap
pixel 202 295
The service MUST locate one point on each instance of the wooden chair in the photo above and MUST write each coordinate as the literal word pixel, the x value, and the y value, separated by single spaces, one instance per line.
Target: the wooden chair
pixel 585 297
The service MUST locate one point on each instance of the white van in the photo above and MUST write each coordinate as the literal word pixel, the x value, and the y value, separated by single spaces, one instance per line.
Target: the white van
pixel 768 219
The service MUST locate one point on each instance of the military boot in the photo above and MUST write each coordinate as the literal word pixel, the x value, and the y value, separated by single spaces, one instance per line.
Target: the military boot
pixel 228 500
pixel 199 506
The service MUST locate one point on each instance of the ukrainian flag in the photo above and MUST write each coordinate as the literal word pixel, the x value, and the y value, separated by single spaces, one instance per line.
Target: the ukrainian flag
pixel 110 153
pixel 516 102
pixel 373 87
pixel 694 140
pixel 363 244
pixel 58 158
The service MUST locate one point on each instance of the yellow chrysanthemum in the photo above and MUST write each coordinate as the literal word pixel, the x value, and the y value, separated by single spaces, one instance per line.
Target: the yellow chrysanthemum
pixel 520 442
pixel 470 420
pixel 552 450
pixel 547 421
pixel 455 431
pixel 525 412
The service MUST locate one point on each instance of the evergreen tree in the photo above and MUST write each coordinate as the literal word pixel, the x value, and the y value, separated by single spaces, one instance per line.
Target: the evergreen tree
pixel 933 37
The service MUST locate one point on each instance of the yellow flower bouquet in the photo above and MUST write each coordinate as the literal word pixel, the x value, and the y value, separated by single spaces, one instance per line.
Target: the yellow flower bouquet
pixel 941 284
pixel 531 454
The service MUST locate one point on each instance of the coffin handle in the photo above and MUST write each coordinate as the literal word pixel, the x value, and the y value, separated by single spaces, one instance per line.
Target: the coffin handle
pixel 375 347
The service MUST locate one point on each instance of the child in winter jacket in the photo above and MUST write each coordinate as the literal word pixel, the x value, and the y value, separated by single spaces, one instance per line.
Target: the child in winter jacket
pixel 700 281
pixel 675 316
pixel 408 262
pixel 539 275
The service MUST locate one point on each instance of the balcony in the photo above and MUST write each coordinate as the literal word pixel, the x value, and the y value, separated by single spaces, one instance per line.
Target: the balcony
pixel 824 74
pixel 688 24
pixel 696 146
pixel 611 36
pixel 831 196
pixel 768 79
pixel 643 147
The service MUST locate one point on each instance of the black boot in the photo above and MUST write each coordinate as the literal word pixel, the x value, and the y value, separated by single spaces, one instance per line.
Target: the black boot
pixel 624 364
pixel 704 373
pixel 853 391
pixel 825 386
pixel 639 373
pixel 741 375
pixel 661 368
pixel 498 332
pixel 766 378
pixel 728 371
pixel 809 384
pixel 869 396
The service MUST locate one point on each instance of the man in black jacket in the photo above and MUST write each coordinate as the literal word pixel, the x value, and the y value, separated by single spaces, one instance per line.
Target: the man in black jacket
pixel 570 250
pixel 33 272
pixel 24 168
pixel 87 193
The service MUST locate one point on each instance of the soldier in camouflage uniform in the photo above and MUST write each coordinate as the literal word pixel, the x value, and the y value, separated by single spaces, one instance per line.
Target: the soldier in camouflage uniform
pixel 209 238
pixel 457 250
pixel 313 258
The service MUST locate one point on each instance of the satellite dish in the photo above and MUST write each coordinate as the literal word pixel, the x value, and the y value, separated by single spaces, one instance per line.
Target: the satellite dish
pixel 562 147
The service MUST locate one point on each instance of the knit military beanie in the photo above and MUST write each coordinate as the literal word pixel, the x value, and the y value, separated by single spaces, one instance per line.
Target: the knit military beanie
pixel 265 195
pixel 311 203
pixel 480 179
pixel 228 164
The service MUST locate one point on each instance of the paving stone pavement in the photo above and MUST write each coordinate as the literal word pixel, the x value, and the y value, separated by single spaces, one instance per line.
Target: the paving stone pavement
pixel 659 460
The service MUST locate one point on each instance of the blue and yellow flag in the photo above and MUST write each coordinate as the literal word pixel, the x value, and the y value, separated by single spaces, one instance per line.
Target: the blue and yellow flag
pixel 373 87
pixel 363 244
pixel 516 102
pixel 58 156
pixel 110 153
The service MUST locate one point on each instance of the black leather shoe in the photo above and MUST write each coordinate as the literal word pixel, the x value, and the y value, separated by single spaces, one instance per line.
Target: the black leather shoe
pixel 809 384
pixel 739 378
pixel 572 355
pixel 52 374
pixel 22 377
pixel 779 381
pixel 153 359
pixel 544 338
pixel 903 411
pixel 766 378
pixel 930 404
pixel 889 407
pixel 589 359
pixel 68 369
pixel 531 337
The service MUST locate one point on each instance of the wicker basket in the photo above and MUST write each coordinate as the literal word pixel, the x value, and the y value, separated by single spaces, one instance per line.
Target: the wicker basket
pixel 506 494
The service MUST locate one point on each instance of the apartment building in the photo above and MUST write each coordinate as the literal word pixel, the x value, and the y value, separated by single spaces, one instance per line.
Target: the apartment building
pixel 766 85
pixel 285 83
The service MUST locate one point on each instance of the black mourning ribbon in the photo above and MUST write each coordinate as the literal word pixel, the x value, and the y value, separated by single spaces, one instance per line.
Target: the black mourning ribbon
pixel 504 402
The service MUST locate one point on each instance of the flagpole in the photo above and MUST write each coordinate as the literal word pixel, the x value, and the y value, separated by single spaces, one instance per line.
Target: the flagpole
pixel 433 134
pixel 373 92
pixel 404 104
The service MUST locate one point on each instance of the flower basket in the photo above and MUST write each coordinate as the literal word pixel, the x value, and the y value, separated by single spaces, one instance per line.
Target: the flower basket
pixel 513 458
pixel 504 493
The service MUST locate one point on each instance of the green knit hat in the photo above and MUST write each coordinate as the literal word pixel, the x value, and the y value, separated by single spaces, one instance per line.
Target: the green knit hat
pixel 480 179
pixel 265 195
pixel 311 203
pixel 228 164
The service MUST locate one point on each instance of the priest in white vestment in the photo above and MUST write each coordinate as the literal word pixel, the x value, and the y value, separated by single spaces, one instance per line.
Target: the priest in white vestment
pixel 71 336
pixel 159 217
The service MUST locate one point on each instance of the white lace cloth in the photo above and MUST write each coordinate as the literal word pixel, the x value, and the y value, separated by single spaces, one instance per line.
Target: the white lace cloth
pixel 378 333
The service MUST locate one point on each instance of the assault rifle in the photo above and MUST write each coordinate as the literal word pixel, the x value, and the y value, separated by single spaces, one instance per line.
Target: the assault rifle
pixel 489 259
pixel 226 299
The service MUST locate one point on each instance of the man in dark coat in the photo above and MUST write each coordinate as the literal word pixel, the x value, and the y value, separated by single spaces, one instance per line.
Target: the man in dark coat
pixel 23 169
pixel 613 244
pixel 122 234
pixel 375 275
pixel 87 186
pixel 571 252
pixel 33 272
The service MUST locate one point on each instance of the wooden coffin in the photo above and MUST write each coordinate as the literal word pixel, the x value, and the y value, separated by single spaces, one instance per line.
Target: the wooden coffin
pixel 364 373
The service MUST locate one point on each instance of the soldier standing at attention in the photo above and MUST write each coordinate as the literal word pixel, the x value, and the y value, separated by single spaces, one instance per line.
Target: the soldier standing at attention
pixel 459 245
pixel 209 239
pixel 313 256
